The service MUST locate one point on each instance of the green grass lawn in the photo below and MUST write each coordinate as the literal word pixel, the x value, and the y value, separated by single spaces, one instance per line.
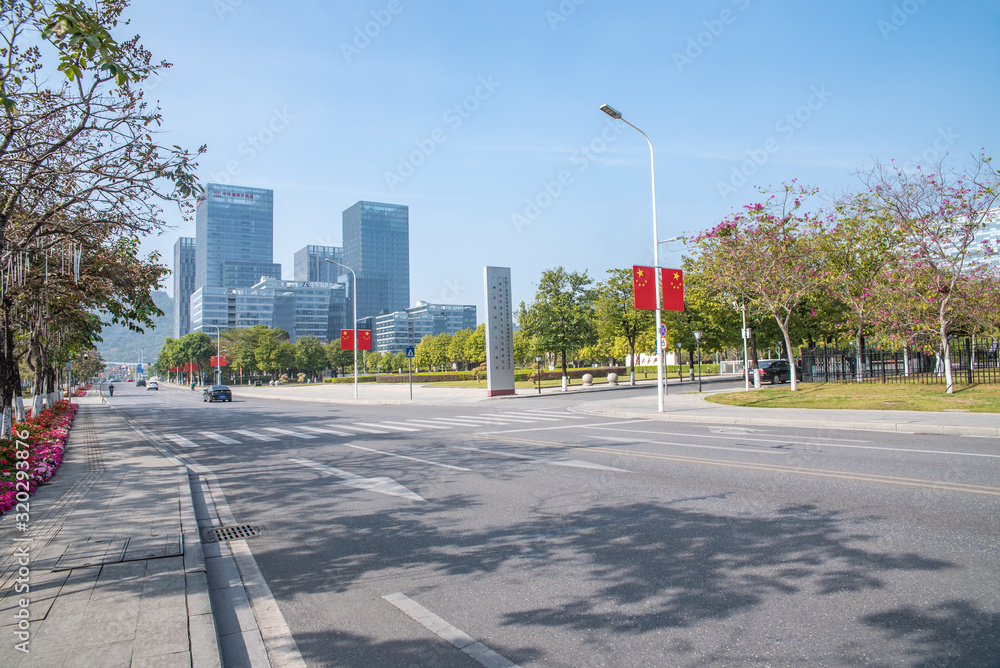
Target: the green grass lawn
pixel 869 396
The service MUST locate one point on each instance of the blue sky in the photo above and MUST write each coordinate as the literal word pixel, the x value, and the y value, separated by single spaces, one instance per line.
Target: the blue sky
pixel 484 117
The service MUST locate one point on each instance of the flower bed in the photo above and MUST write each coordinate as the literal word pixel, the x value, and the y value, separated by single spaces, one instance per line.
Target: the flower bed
pixel 82 391
pixel 34 454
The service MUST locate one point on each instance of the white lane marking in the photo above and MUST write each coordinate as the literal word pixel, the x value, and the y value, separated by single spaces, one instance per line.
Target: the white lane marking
pixel 254 435
pixel 381 485
pixel 690 445
pixel 571 463
pixel 181 441
pixel 446 631
pixel 412 459
pixel 426 424
pixel 774 439
pixel 289 432
pixel 567 426
pixel 387 425
pixel 220 438
pixel 363 430
pixel 320 430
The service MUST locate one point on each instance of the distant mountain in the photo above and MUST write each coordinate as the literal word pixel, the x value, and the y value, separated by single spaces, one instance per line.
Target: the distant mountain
pixel 123 345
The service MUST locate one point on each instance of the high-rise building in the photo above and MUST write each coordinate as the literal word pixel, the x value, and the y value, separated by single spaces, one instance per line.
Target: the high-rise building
pixel 234 229
pixel 301 309
pixel 311 264
pixel 395 331
pixel 184 284
pixel 377 247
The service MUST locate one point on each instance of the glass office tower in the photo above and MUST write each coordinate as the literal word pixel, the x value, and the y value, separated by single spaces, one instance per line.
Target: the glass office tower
pixel 234 228
pixel 377 248
pixel 184 284
pixel 311 264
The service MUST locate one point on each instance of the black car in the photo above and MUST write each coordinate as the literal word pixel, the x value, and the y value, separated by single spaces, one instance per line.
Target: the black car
pixel 776 371
pixel 140 383
pixel 220 392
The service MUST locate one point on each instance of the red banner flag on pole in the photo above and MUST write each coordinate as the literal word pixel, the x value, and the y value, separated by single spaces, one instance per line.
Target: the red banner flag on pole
pixel 347 339
pixel 364 339
pixel 673 289
pixel 644 287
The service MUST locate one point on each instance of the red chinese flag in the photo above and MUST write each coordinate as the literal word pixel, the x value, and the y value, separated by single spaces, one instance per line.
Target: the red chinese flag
pixel 673 289
pixel 347 339
pixel 364 339
pixel 644 287
pixel 217 361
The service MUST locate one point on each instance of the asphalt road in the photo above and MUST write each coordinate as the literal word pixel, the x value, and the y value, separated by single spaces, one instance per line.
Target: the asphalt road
pixel 560 539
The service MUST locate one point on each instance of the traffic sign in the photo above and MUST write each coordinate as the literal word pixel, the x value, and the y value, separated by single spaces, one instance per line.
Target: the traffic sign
pixel 411 351
pixel 663 343
pixel 663 330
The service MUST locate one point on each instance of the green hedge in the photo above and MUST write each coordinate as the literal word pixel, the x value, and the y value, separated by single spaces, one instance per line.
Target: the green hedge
pixel 349 379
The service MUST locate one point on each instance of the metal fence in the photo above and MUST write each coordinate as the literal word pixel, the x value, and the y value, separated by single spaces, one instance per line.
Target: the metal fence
pixel 972 361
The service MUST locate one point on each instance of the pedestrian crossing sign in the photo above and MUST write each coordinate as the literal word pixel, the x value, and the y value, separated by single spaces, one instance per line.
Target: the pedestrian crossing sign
pixel 411 351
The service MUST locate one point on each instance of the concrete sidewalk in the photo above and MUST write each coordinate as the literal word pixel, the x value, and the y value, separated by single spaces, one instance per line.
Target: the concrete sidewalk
pixel 112 557
pixel 685 404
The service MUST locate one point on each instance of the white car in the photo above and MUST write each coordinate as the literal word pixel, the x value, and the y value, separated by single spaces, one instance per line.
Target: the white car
pixel 152 385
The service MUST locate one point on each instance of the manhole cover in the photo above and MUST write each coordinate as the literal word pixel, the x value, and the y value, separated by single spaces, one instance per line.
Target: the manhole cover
pixel 240 532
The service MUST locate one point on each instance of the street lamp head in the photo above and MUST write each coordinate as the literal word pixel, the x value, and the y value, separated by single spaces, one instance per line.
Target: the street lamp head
pixel 671 239
pixel 611 111
pixel 697 335
pixel 538 358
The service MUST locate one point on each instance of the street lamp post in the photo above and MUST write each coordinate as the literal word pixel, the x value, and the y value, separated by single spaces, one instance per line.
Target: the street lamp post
pixel 746 361
pixel 680 378
pixel 697 337
pixel 617 115
pixel 218 353
pixel 538 363
pixel 354 300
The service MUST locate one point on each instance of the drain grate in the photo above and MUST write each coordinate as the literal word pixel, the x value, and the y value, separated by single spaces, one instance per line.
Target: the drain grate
pixel 239 532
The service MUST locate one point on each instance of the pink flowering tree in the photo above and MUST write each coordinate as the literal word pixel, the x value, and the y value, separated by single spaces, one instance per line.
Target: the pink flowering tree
pixel 860 245
pixel 938 213
pixel 766 255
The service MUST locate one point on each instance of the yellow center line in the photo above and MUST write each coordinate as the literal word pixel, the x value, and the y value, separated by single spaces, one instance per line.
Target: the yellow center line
pixel 775 468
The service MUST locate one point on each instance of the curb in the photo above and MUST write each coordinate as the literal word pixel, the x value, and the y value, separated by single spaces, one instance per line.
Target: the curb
pixel 900 427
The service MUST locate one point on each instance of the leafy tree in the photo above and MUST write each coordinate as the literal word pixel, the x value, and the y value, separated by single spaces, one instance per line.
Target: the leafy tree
pixel 337 358
pixel 309 355
pixel 284 356
pixel 561 318
pixel 765 254
pixel 197 348
pixel 616 315
pixel 456 347
pixel 856 252
pixel 475 345
pixel 938 212
pixel 523 348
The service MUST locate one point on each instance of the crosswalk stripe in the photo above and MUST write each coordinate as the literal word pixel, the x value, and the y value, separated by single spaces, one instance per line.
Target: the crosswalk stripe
pixel 564 416
pixel 387 425
pixel 220 438
pixel 406 426
pixel 320 430
pixel 427 424
pixel 486 420
pixel 254 435
pixel 524 416
pixel 289 432
pixel 181 441
pixel 460 423
pixel 361 429
pixel 513 418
